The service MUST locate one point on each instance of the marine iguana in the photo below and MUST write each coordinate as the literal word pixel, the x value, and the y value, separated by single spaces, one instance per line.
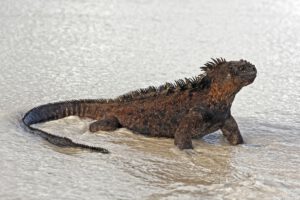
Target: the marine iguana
pixel 189 107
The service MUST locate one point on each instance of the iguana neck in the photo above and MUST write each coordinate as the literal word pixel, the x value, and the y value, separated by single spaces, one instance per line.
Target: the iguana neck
pixel 222 94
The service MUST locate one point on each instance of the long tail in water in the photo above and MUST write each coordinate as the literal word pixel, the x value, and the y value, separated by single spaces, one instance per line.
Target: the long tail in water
pixel 55 111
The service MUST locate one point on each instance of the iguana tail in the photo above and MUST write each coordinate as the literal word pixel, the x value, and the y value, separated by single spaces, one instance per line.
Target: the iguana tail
pixel 55 111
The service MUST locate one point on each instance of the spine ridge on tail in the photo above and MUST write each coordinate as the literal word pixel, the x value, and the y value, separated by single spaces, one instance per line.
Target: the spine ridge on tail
pixel 54 111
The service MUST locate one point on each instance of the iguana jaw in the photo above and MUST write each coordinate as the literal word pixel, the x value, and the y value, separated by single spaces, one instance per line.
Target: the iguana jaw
pixel 248 77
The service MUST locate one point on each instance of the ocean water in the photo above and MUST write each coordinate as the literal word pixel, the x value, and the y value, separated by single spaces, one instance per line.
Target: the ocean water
pixel 60 50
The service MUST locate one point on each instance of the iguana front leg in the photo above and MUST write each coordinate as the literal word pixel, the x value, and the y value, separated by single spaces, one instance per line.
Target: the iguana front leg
pixel 188 126
pixel 231 131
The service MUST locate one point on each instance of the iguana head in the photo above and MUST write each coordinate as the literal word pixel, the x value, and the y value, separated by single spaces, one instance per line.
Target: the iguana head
pixel 228 77
pixel 240 73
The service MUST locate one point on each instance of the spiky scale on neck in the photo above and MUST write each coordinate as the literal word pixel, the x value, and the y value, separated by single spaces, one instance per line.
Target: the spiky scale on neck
pixel 200 82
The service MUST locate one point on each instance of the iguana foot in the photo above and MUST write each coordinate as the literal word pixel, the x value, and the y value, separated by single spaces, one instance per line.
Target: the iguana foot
pixel 235 139
pixel 184 144
pixel 108 124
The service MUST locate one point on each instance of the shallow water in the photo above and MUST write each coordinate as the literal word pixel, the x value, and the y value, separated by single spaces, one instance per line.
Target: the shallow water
pixel 59 50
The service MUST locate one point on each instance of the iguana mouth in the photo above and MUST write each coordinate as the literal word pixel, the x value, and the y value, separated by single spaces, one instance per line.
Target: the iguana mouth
pixel 248 75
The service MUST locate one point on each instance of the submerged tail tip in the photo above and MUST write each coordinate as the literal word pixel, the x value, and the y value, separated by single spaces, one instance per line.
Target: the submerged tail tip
pixel 104 151
pixel 100 150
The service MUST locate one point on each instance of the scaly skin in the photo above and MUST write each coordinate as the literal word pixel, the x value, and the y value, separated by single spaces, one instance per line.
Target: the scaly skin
pixel 190 107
